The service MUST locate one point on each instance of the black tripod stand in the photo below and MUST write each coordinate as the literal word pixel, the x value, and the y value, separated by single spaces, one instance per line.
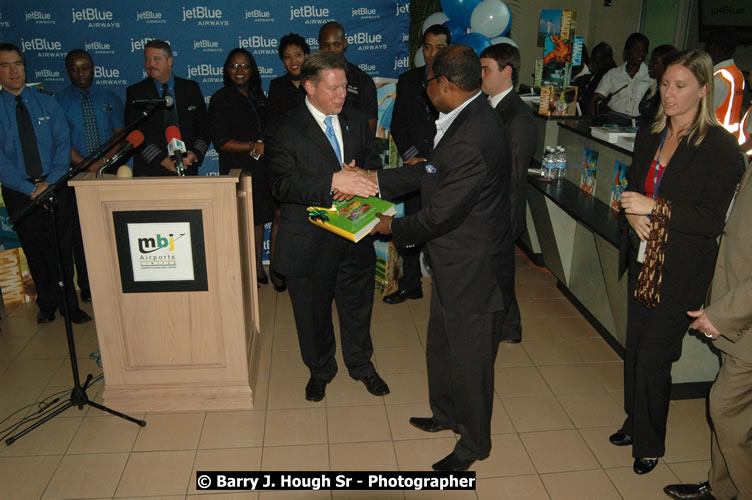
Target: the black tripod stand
pixel 49 200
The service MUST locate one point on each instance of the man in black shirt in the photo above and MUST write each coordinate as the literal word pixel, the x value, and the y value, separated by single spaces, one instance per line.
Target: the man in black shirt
pixel 361 91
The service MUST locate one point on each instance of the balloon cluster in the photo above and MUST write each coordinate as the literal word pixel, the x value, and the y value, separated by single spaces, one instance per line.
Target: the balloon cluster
pixel 488 21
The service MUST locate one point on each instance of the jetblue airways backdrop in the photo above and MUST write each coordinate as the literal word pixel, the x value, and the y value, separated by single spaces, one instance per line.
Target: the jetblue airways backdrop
pixel 201 35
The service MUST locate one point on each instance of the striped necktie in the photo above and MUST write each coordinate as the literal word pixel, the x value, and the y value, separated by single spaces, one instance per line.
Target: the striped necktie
pixel 90 123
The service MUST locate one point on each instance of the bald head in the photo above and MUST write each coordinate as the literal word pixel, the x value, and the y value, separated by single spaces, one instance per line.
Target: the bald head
pixel 332 38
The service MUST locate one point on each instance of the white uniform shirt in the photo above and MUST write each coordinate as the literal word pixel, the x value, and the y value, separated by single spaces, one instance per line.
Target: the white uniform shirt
pixel 627 100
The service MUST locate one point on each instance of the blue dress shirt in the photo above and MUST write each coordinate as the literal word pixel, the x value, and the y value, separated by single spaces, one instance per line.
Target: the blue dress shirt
pixel 108 108
pixel 52 134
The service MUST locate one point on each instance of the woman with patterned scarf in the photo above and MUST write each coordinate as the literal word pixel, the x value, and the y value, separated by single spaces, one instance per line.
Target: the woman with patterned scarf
pixel 682 178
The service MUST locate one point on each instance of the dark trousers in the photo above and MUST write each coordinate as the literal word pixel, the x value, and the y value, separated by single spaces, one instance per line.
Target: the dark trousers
pixel 412 274
pixel 654 342
pixel 459 356
pixel 35 234
pixel 351 286
pixel 79 258
pixel 512 327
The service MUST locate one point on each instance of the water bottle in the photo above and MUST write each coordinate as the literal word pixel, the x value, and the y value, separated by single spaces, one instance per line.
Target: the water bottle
pixel 561 163
pixel 548 162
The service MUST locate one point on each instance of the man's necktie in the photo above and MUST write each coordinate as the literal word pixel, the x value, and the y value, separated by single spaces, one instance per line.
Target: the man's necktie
pixel 28 140
pixel 171 114
pixel 333 138
pixel 90 123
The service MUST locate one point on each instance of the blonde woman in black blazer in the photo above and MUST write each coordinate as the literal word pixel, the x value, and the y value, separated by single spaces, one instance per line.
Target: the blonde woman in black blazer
pixel 696 178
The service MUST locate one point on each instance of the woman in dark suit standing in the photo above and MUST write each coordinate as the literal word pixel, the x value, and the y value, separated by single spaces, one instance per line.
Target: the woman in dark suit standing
pixel 285 91
pixel 237 115
pixel 681 181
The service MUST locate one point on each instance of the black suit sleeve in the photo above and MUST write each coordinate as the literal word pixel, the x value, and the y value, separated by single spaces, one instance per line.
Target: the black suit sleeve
pixel 151 151
pixel 455 196
pixel 400 113
pixel 706 216
pixel 202 134
pixel 285 155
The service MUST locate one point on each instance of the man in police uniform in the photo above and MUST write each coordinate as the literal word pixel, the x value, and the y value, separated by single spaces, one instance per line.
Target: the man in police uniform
pixel 35 152
pixel 94 115
pixel 361 91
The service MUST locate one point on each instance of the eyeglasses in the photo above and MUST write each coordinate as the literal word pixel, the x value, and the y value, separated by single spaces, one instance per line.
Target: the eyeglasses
pixel 240 66
pixel 425 82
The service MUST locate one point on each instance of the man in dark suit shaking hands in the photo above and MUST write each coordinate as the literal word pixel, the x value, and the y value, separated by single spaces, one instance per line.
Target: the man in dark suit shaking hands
pixel 305 154
pixel 500 65
pixel 464 222
pixel 188 114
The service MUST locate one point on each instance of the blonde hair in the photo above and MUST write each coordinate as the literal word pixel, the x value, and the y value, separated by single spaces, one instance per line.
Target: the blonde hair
pixel 699 63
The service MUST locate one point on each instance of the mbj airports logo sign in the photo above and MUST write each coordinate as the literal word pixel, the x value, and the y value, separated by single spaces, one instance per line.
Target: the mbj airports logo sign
pixel 161 251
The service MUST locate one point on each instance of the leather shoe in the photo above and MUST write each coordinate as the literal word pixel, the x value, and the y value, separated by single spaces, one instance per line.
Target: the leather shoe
pixel 402 295
pixel 375 384
pixel 512 341
pixel 644 465
pixel 78 316
pixel 315 389
pixel 45 317
pixel 699 491
pixel 454 463
pixel 427 424
pixel 620 438
pixel 85 296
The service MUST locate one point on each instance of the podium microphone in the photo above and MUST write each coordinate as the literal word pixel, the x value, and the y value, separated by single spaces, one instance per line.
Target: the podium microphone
pixel 132 141
pixel 175 148
pixel 167 100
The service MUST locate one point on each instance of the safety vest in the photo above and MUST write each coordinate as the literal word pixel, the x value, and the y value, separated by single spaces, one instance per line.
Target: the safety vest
pixel 730 109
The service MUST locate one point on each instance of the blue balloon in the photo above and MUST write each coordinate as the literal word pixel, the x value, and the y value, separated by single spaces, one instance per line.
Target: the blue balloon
pixel 475 41
pixel 455 30
pixel 460 10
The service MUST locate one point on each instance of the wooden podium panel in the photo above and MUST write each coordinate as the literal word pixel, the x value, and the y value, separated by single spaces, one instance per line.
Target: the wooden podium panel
pixel 165 348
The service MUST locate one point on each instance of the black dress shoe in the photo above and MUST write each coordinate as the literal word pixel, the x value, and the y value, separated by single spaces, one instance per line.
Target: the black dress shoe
pixel 261 276
pixel 644 465
pixel 278 281
pixel 375 384
pixel 85 296
pixel 452 462
pixel 427 424
pixel 78 316
pixel 402 295
pixel 45 317
pixel 620 438
pixel 512 341
pixel 699 491
pixel 315 390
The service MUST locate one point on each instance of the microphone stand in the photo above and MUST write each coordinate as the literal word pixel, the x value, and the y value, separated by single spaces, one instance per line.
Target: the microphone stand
pixel 78 396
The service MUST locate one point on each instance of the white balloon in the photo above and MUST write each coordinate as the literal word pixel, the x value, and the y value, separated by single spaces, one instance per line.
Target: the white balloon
pixel 435 18
pixel 503 39
pixel 490 18
pixel 419 60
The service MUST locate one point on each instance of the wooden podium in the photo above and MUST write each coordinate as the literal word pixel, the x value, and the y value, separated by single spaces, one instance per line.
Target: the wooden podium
pixel 171 264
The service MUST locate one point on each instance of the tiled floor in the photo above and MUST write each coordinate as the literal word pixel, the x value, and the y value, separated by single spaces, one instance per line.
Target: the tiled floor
pixel 558 397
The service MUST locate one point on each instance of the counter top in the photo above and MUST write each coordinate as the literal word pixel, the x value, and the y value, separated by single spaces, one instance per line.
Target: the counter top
pixel 590 211
pixel 582 127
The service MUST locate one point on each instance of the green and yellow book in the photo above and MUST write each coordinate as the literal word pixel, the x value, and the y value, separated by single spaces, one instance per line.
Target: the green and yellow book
pixel 352 219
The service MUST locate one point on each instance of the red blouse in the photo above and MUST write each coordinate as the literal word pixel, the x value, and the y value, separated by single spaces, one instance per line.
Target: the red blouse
pixel 650 179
